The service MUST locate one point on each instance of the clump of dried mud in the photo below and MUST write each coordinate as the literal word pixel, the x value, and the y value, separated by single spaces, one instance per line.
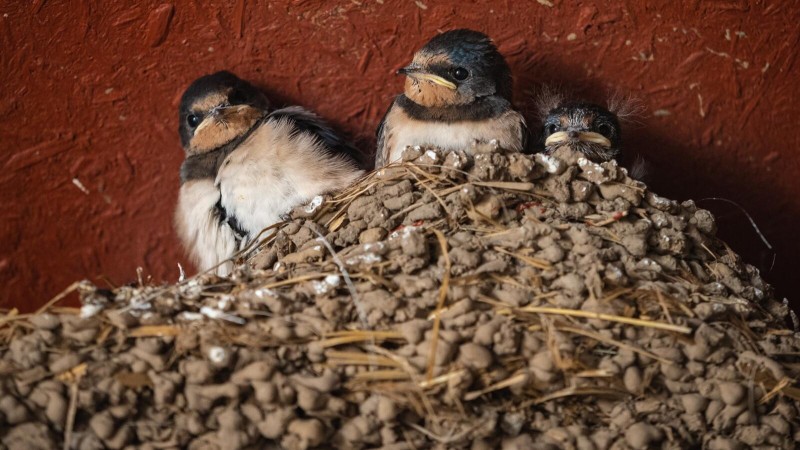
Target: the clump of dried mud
pixel 495 301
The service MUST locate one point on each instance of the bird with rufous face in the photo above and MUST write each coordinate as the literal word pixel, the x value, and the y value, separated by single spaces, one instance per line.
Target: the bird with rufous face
pixel 457 92
pixel 247 166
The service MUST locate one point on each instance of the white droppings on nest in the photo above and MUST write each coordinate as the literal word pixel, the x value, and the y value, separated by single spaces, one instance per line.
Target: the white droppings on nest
pixel 717 286
pixel 191 291
pixel 404 232
pixel 91 309
pixel 216 354
pixel 213 313
pixel 432 155
pixel 139 305
pixel 313 205
pixel 658 201
pixel 225 302
pixel 589 166
pixel 190 316
pixel 366 258
pixel 616 271
pixel 374 246
pixel 551 164
pixel 329 283
pixel 648 264
pixel 264 292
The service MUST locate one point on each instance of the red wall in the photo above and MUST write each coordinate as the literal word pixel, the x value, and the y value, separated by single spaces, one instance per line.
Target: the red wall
pixel 89 93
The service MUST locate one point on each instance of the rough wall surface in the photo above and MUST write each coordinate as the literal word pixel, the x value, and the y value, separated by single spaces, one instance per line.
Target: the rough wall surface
pixel 90 168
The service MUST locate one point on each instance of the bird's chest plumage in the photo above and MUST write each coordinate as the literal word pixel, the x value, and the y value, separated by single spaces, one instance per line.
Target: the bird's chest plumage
pixel 255 192
pixel 403 131
pixel 257 185
pixel 273 171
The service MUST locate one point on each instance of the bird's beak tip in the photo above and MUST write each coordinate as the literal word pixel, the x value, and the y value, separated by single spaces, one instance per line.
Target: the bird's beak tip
pixel 409 69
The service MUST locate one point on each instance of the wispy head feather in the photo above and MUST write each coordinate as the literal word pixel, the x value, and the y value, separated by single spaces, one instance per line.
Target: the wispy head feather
pixel 547 98
pixel 626 107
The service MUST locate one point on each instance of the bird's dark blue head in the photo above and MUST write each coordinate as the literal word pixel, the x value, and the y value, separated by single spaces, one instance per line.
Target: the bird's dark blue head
pixel 456 68
pixel 216 109
pixel 585 127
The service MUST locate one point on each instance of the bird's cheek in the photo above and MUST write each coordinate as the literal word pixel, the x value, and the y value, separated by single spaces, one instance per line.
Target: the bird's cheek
pixel 217 131
pixel 208 136
pixel 431 95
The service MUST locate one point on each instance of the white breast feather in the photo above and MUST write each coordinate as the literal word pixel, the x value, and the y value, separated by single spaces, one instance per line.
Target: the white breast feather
pixel 453 136
pixel 199 227
pixel 271 173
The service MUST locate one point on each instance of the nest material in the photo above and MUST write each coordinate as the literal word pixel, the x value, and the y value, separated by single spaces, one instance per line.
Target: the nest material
pixel 495 301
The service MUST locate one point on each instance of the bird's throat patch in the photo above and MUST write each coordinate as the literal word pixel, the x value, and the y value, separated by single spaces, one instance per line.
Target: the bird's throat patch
pixel 431 95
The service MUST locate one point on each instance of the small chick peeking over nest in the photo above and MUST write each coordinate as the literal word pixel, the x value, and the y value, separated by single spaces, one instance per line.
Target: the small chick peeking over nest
pixel 593 130
pixel 245 166
pixel 587 128
pixel 457 92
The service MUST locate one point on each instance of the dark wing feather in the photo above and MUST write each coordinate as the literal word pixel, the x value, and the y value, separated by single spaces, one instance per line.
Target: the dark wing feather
pixel 307 122
pixel 226 219
pixel 381 150
pixel 527 143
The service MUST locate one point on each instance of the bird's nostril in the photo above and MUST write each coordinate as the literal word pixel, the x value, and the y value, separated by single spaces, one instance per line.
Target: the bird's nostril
pixel 573 134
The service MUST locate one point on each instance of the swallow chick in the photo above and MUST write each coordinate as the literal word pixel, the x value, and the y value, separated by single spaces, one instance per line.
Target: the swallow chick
pixel 587 128
pixel 246 166
pixel 457 91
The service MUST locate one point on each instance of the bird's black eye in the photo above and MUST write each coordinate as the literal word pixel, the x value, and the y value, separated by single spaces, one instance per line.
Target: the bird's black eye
pixel 460 73
pixel 549 129
pixel 605 129
pixel 193 120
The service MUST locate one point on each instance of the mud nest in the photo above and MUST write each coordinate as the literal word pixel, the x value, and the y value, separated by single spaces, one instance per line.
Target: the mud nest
pixel 451 301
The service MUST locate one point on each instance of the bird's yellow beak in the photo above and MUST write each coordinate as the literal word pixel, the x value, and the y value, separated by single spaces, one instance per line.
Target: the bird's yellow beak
pixel 420 74
pixel 584 136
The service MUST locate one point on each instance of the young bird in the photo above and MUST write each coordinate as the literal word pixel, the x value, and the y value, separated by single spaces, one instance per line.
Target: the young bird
pixel 245 166
pixel 457 91
pixel 586 128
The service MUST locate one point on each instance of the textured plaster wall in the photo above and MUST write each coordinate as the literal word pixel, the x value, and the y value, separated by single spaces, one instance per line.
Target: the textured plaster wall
pixel 89 167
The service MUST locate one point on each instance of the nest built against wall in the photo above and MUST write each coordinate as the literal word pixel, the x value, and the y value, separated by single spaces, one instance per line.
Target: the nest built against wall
pixel 492 300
